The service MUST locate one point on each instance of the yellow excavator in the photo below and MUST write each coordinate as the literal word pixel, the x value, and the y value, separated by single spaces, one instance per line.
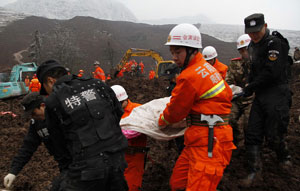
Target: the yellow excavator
pixel 161 64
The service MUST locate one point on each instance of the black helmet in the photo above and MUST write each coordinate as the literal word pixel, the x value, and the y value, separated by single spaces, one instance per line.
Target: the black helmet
pixel 32 101
pixel 43 69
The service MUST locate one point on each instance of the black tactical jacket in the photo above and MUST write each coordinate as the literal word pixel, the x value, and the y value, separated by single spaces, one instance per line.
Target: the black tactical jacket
pixel 38 133
pixel 84 114
pixel 269 59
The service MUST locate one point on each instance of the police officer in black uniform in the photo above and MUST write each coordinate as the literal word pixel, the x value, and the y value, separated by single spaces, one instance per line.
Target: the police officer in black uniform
pixel 269 116
pixel 34 105
pixel 85 113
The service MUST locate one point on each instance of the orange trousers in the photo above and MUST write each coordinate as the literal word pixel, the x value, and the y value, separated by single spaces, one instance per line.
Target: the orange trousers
pixel 135 170
pixel 34 89
pixel 195 171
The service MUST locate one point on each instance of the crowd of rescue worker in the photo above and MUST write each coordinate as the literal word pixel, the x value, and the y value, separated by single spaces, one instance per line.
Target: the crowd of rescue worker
pixel 227 108
pixel 132 68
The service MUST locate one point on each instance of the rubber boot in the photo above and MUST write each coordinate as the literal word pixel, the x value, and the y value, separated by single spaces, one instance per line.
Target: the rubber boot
pixel 254 164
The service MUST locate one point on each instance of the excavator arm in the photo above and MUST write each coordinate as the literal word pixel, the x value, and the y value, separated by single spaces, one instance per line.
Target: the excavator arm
pixel 145 53
pixel 140 53
pixel 16 86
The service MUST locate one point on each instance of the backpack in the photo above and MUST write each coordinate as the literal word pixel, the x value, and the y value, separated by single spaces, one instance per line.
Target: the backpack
pixel 286 46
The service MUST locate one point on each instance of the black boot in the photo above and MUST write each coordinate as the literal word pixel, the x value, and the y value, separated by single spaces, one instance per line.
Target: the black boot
pixel 283 155
pixel 254 164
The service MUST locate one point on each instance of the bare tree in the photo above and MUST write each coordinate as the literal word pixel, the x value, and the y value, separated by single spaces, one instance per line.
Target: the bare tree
pixel 35 48
pixel 61 45
pixel 109 50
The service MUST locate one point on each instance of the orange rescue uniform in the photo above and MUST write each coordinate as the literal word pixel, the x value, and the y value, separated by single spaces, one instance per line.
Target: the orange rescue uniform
pixel 121 73
pixel 35 85
pixel 99 74
pixel 135 170
pixel 151 74
pixel 200 89
pixel 221 68
pixel 142 67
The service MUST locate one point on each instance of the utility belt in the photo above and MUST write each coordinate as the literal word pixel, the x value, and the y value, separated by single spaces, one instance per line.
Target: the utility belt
pixel 195 119
pixel 209 121
pixel 134 149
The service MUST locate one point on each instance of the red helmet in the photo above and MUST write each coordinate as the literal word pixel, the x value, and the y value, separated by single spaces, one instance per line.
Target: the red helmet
pixel 81 71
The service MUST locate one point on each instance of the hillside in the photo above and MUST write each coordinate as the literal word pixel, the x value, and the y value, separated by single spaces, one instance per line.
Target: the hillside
pixel 93 39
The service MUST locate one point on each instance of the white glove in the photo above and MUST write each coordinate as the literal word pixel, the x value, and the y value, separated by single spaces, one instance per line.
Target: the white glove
pixel 235 89
pixel 8 180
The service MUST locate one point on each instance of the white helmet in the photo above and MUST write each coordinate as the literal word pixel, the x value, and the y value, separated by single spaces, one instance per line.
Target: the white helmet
pixel 243 41
pixel 120 92
pixel 97 63
pixel 209 53
pixel 185 35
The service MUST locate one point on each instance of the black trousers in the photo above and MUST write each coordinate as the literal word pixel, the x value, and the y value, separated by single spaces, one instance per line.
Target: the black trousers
pixel 57 181
pixel 269 117
pixel 105 172
pixel 113 180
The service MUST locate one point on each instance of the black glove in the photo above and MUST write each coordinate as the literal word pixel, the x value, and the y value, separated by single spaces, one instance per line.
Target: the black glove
pixel 248 91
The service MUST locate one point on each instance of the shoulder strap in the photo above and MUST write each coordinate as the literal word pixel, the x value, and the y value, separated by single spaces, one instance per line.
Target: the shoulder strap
pixel 283 39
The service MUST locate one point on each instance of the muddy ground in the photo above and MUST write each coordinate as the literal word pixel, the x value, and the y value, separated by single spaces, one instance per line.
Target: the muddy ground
pixel 38 173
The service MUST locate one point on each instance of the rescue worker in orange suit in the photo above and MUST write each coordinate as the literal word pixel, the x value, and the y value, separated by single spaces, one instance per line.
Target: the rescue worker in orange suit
pixel 99 73
pixel 121 73
pixel 34 85
pixel 142 67
pixel 200 90
pixel 151 74
pixel 128 66
pixel 81 72
pixel 27 81
pixel 108 77
pixel 135 153
pixel 210 55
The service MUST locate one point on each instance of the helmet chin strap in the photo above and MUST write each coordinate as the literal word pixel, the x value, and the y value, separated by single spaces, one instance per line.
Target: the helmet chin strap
pixel 189 52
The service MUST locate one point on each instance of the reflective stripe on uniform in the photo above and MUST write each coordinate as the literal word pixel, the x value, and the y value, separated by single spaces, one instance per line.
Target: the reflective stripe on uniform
pixel 163 118
pixel 100 73
pixel 214 90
